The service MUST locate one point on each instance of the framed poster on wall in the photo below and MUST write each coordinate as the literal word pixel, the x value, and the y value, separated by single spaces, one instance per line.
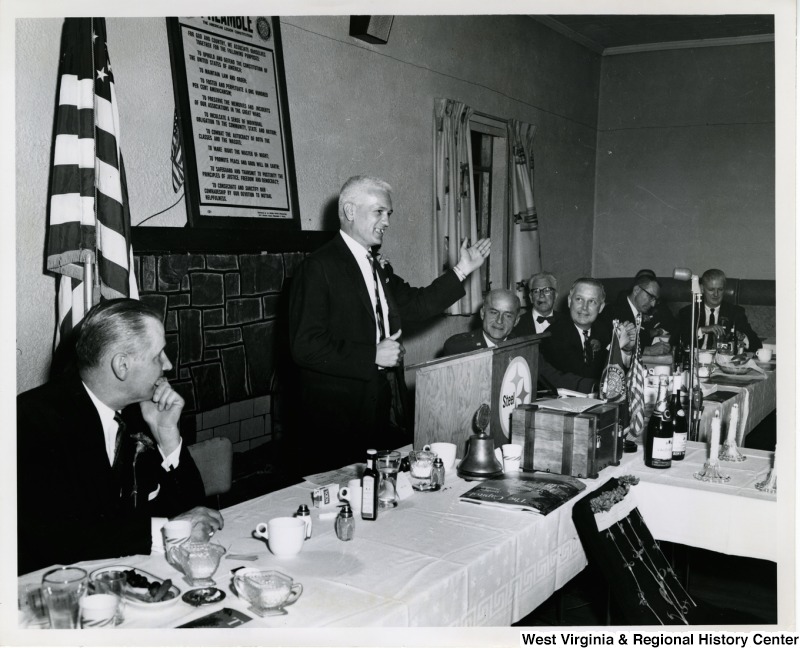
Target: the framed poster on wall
pixel 230 97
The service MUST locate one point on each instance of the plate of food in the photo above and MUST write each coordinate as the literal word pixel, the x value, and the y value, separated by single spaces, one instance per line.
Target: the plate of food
pixel 733 364
pixel 143 589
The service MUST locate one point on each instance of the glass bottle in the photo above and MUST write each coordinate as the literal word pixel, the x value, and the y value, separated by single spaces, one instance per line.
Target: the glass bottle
pixel 658 444
pixel 345 525
pixel 680 427
pixel 437 474
pixel 304 514
pixel 370 482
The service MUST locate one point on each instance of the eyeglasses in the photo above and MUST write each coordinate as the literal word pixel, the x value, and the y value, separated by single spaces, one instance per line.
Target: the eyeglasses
pixel 542 291
pixel 653 298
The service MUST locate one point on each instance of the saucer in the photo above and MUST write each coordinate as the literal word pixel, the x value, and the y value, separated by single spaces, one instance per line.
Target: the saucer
pixel 203 596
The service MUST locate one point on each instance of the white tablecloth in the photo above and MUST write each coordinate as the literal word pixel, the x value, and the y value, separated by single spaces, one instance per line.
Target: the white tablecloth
pixel 433 561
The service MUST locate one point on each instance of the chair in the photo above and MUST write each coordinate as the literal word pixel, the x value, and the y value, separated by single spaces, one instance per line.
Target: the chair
pixel 643 586
pixel 214 459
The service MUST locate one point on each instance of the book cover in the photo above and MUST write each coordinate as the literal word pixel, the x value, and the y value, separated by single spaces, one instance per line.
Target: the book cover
pixel 536 492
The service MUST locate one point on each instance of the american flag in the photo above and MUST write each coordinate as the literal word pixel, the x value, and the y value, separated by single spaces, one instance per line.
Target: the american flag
pixel 176 155
pixel 89 219
pixel 636 387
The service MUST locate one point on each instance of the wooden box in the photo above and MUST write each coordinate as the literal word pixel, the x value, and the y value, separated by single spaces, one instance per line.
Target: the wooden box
pixel 580 445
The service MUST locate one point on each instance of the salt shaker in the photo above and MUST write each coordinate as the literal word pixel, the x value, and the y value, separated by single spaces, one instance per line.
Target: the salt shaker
pixel 437 473
pixel 305 515
pixel 345 524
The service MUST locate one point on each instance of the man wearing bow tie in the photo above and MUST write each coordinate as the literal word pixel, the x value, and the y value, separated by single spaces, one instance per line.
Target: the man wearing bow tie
pixel 345 317
pixel 543 293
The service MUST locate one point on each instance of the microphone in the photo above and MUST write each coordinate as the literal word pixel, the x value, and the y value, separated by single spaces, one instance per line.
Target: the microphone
pixel 685 274
pixel 682 274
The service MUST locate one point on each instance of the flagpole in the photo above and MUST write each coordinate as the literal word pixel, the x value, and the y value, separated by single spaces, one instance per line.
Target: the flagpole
pixel 88 282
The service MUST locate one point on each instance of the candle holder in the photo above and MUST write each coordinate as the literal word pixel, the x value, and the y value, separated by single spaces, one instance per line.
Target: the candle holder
pixel 730 452
pixel 711 473
pixel 770 484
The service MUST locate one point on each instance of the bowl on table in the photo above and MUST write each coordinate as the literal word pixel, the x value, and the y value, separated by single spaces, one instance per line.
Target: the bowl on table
pixel 732 364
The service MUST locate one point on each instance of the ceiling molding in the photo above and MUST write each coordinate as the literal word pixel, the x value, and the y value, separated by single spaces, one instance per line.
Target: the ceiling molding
pixel 688 44
pixel 589 44
pixel 562 29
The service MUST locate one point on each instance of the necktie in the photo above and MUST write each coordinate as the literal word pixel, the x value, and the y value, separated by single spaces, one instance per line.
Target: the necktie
pixel 378 310
pixel 540 319
pixel 587 348
pixel 712 320
pixel 120 433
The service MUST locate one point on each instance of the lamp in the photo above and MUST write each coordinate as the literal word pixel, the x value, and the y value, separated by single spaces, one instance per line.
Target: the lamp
pixel 685 274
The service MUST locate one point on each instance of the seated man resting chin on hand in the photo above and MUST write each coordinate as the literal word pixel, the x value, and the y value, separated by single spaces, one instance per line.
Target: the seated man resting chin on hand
pixel 99 455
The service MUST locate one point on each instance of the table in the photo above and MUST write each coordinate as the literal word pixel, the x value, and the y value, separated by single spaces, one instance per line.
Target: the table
pixel 756 397
pixel 433 561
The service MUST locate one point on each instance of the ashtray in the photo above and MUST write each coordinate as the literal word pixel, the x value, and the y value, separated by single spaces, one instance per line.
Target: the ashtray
pixel 203 596
pixel 426 487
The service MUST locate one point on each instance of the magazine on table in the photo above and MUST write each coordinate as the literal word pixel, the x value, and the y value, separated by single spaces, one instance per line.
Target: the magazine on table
pixel 536 492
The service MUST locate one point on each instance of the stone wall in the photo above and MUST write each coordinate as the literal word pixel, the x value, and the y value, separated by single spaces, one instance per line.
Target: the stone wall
pixel 221 313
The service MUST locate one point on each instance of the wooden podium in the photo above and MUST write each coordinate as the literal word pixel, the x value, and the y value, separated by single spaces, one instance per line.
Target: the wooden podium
pixel 450 390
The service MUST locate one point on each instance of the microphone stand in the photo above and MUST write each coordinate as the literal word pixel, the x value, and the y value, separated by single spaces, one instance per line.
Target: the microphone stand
pixel 696 297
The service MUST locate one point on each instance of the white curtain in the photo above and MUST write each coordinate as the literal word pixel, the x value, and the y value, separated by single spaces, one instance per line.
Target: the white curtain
pixel 525 257
pixel 454 217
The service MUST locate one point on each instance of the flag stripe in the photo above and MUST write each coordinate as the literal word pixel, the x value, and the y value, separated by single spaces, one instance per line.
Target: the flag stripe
pixel 88 212
pixel 176 154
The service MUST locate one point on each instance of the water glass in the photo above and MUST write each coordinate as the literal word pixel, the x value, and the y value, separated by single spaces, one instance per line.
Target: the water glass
pixel 62 589
pixel 113 582
pixel 388 466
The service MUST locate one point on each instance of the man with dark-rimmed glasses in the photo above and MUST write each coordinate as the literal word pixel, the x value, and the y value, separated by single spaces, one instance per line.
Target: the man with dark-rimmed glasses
pixel 543 293
pixel 642 298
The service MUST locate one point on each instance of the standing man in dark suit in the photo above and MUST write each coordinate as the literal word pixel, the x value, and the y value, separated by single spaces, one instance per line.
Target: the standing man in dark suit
pixel 500 314
pixel 716 317
pixel 543 293
pixel 345 317
pixel 100 460
pixel 642 299
pixel 579 344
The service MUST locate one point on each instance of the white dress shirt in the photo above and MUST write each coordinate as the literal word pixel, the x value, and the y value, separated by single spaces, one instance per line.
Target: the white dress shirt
pixel 361 255
pixel 540 328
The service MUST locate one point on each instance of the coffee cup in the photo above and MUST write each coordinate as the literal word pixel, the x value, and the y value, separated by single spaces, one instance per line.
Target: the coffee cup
pixel 176 532
pixel 764 355
pixel 512 457
pixel 446 452
pixel 267 592
pixel 284 535
pixel 99 610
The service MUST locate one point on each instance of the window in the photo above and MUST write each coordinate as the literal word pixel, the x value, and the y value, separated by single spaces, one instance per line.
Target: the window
pixel 490 180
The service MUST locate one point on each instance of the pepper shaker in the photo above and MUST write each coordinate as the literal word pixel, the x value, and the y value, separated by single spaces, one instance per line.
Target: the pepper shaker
pixel 345 524
pixel 305 515
pixel 437 473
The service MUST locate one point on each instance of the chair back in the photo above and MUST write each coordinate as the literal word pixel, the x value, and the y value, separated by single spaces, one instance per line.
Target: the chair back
pixel 214 459
pixel 618 543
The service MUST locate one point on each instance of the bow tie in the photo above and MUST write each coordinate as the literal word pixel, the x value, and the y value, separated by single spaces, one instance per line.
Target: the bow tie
pixel 540 319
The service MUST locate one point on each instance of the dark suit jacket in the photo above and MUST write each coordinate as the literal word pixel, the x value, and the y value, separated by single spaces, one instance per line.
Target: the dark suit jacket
pixel 728 314
pixel 332 336
pixel 564 348
pixel 621 310
pixel 72 505
pixel 525 325
pixel 548 374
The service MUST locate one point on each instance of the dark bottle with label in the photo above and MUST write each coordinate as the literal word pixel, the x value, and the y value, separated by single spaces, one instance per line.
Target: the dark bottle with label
pixel 658 445
pixel 370 481
pixel 680 426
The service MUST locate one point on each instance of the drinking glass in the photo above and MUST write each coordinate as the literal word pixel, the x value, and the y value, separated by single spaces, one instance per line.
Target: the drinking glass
pixel 388 466
pixel 113 582
pixel 62 589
